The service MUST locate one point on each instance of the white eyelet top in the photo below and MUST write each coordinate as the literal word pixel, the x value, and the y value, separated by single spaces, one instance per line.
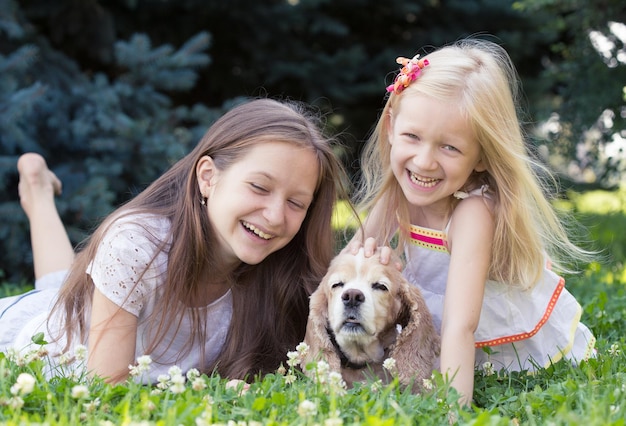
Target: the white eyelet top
pixel 128 246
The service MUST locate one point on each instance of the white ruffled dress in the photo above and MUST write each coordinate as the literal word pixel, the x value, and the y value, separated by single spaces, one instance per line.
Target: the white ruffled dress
pixel 524 329
pixel 123 254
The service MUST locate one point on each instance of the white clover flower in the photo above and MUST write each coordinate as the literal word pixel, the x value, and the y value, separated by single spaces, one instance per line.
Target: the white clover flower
pixel 376 386
pixel 333 421
pixel 203 420
pixel 91 406
pixel 614 350
pixel 488 368
pixel 15 403
pixel 65 359
pixel 307 408
pixel 13 354
pixel 156 391
pixel 205 417
pixel 177 388
pixel 175 371
pixel 198 384
pixel 177 378
pixel 32 355
pixel 163 380
pixel 24 384
pixel 336 383
pixel 238 385
pixel 427 384
pixel 290 379
pixel 293 359
pixel 80 391
pixel 335 379
pixel 177 383
pixel 281 370
pixel 390 365
pixel 322 367
pixel 80 351
pixel 321 379
pixel 133 370
pixel 192 374
pixel 144 362
pixel 302 348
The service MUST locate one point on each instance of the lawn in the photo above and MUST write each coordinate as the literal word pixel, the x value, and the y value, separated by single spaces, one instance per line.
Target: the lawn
pixel 593 393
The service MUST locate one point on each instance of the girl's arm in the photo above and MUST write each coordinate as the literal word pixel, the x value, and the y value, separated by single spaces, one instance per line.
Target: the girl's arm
pixel 112 337
pixel 121 289
pixel 470 241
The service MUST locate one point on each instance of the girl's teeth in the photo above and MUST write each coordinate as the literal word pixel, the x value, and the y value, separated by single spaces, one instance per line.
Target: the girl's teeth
pixel 424 182
pixel 257 231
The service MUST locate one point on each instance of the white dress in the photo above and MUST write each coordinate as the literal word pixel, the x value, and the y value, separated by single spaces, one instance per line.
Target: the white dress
pixel 122 255
pixel 524 329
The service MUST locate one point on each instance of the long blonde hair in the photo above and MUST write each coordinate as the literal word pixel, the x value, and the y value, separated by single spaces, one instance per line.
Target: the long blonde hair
pixel 479 77
pixel 270 300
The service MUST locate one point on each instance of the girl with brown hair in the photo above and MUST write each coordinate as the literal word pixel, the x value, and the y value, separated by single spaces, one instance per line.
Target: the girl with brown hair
pixel 210 267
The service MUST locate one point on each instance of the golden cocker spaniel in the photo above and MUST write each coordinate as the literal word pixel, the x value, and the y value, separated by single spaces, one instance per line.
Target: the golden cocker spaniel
pixel 365 312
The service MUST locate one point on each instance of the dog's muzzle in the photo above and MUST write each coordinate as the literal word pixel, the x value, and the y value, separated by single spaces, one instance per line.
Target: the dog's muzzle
pixel 352 300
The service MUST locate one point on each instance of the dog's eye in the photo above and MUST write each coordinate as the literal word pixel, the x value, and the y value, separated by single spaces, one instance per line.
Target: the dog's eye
pixel 337 285
pixel 379 286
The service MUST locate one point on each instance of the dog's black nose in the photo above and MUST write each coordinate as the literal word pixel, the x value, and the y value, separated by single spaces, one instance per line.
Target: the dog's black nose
pixel 352 298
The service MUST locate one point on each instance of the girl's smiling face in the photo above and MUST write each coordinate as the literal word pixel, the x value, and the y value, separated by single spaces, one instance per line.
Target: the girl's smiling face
pixel 257 205
pixel 433 151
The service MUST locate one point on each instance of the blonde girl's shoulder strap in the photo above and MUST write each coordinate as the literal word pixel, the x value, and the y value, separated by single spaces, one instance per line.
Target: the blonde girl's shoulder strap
pixel 483 191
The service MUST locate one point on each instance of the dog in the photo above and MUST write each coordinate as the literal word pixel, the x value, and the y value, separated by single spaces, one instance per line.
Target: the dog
pixel 364 312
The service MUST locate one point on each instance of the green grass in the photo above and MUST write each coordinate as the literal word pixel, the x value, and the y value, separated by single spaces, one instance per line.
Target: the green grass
pixel 593 393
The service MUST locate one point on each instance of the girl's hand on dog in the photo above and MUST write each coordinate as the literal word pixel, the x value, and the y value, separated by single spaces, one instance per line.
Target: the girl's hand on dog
pixel 370 248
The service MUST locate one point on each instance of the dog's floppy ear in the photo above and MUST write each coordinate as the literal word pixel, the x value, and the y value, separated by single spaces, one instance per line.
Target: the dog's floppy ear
pixel 417 347
pixel 317 337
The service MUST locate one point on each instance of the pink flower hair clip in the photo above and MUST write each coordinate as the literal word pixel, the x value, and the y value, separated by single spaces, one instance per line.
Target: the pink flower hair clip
pixel 411 69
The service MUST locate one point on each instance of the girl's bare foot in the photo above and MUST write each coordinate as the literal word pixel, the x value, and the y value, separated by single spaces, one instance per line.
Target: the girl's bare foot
pixel 52 249
pixel 37 183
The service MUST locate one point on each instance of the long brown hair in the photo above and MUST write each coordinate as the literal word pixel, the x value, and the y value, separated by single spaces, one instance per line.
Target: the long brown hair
pixel 270 300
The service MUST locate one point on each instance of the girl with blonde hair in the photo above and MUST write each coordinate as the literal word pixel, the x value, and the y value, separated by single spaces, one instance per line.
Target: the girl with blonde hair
pixel 210 267
pixel 448 167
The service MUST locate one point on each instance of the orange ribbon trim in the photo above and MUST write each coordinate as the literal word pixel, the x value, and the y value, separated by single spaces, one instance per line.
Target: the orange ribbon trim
pixel 528 335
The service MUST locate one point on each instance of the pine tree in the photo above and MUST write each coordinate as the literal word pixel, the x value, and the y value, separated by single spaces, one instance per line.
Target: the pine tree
pixel 106 138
